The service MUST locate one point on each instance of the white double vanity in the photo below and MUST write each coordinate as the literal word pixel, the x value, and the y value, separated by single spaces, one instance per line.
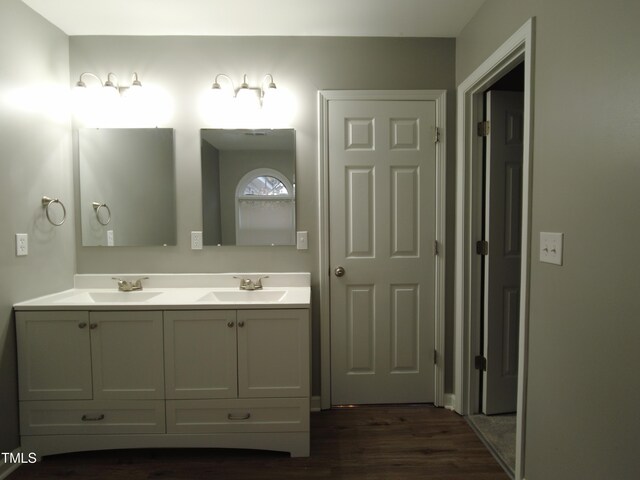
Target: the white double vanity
pixel 191 360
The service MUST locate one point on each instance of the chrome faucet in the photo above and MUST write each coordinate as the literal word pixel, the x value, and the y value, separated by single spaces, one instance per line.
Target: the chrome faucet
pixel 248 284
pixel 128 286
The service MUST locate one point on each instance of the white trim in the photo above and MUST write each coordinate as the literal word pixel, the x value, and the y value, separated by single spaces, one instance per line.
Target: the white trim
pixel 517 48
pixel 324 97
pixel 449 401
pixel 9 468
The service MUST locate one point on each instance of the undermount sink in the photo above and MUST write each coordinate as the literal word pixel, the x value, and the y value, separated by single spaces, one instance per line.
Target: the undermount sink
pixel 110 297
pixel 244 296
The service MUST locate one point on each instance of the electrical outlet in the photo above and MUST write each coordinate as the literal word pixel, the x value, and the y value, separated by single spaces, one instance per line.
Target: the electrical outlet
pixel 22 244
pixel 196 240
pixel 551 247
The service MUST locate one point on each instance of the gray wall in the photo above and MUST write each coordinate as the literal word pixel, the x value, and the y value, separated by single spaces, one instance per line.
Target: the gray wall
pixel 186 66
pixel 583 390
pixel 35 160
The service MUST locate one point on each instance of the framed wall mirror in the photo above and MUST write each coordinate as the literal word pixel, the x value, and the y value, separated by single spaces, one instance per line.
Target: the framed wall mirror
pixel 127 186
pixel 248 187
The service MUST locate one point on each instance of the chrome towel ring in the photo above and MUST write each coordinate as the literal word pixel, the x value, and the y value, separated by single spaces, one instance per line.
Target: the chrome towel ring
pixel 97 206
pixel 46 204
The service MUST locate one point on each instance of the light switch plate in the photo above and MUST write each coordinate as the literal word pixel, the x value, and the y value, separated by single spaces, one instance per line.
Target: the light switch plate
pixel 302 240
pixel 551 247
pixel 196 240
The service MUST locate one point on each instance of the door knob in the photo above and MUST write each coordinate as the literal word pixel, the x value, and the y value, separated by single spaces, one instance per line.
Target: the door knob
pixel 339 271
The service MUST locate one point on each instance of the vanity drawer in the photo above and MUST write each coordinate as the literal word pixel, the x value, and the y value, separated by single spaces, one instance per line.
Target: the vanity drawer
pixel 92 417
pixel 238 415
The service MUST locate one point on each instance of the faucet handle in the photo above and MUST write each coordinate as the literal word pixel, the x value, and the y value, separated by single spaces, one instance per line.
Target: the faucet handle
pixel 127 285
pixel 259 281
pixel 123 285
pixel 245 283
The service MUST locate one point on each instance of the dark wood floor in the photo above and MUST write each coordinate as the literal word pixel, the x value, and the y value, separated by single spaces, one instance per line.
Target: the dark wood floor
pixel 371 442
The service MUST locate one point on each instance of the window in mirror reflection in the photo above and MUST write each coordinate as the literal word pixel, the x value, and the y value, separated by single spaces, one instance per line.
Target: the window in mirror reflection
pixel 248 187
pixel 265 210
pixel 265 185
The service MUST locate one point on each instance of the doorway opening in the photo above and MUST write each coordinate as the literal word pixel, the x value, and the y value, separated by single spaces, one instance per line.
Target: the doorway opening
pixel 470 278
pixel 500 250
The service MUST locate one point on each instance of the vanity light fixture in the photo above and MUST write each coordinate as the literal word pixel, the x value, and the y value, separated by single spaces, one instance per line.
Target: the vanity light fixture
pixel 247 97
pixel 109 86
pixel 109 103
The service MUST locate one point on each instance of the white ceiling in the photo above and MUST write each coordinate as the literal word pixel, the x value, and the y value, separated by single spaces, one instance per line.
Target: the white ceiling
pixel 354 18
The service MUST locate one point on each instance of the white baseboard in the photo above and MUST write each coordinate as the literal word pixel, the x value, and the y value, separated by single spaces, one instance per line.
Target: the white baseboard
pixel 449 401
pixel 315 404
pixel 7 468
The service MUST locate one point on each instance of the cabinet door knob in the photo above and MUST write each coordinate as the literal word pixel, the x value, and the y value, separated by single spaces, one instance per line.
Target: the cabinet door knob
pixel 93 326
pixel 230 324
pixel 82 324
pixel 241 323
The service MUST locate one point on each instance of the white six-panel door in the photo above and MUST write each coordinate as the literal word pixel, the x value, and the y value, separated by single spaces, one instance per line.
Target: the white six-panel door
pixel 382 188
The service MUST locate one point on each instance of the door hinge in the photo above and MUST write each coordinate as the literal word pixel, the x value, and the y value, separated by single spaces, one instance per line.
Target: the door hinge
pixel 436 250
pixel 484 128
pixel 481 363
pixel 482 247
pixel 435 357
pixel 436 135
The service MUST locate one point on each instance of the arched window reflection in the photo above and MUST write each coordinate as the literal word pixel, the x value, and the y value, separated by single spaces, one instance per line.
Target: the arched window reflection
pixel 265 209
pixel 265 185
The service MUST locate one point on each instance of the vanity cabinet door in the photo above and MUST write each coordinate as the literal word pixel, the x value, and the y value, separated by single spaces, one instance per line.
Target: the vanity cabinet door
pixel 54 356
pixel 273 353
pixel 200 354
pixel 127 355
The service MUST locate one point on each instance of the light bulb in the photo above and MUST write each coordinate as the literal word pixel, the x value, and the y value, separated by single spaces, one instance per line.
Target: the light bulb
pixel 248 100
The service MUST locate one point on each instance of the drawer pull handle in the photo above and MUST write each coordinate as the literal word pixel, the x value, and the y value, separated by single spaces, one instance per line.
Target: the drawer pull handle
pixel 87 418
pixel 246 416
pixel 93 326
pixel 82 324
pixel 241 323
pixel 230 324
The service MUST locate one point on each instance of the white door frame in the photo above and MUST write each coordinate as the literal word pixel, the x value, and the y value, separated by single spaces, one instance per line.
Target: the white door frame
pixel 517 48
pixel 324 97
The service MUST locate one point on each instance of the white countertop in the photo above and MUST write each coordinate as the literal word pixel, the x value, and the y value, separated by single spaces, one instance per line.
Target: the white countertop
pixel 178 291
